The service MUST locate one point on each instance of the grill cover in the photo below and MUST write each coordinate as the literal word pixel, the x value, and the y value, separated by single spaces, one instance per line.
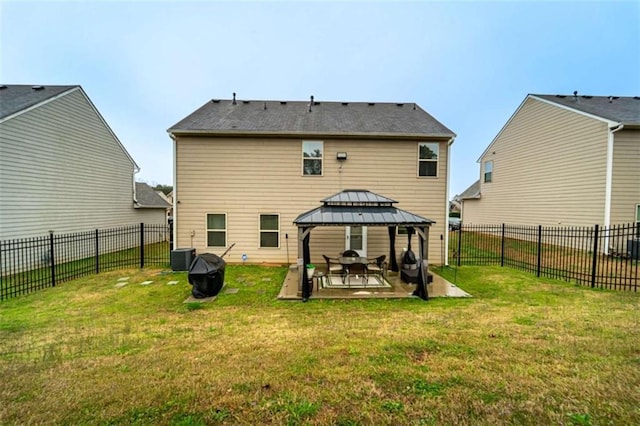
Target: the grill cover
pixel 206 275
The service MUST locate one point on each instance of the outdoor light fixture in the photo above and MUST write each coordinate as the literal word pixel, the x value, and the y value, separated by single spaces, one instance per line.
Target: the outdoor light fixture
pixel 341 156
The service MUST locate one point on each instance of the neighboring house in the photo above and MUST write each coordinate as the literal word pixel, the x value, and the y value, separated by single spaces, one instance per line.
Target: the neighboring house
pixel 62 169
pixel 155 204
pixel 245 170
pixel 562 160
pixel 169 200
pixel 471 193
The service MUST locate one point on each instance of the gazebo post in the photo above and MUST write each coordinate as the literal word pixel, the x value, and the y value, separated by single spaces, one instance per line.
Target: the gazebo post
pixel 423 241
pixel 393 262
pixel 304 254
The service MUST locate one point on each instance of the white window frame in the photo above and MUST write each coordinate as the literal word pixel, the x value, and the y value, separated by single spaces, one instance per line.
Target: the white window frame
pixel 484 172
pixel 429 160
pixel 207 230
pixel 312 158
pixel 260 230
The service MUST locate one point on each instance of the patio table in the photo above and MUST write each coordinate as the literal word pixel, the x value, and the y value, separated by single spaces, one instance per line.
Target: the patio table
pixel 360 262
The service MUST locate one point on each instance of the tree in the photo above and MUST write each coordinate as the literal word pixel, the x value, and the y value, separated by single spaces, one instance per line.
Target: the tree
pixel 166 189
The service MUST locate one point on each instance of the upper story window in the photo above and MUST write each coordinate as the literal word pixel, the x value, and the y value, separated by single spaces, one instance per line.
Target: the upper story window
pixel 312 154
pixel 428 159
pixel 269 230
pixel 216 230
pixel 488 171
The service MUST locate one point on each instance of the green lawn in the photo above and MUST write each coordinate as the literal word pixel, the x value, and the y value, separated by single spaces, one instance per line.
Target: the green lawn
pixel 521 351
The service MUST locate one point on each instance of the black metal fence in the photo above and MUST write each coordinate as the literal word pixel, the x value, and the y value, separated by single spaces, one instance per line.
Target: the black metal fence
pixel 30 264
pixel 601 257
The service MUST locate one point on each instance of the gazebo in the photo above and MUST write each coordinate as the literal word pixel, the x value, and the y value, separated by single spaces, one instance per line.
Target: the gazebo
pixel 354 207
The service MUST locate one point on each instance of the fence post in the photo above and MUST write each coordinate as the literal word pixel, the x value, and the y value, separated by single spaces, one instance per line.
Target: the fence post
pixel 595 256
pixel 459 244
pixel 53 259
pixel 141 244
pixel 502 247
pixel 539 250
pixel 97 254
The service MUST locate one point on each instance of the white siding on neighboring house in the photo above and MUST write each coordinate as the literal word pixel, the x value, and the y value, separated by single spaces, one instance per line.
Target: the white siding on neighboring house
pixel 625 189
pixel 61 169
pixel 245 177
pixel 549 167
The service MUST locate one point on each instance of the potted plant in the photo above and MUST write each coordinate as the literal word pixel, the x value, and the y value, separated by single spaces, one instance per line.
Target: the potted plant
pixel 311 268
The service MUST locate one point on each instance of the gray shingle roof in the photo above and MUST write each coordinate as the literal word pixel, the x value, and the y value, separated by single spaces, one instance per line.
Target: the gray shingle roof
pixel 325 118
pixel 147 197
pixel 17 97
pixel 622 109
pixel 471 192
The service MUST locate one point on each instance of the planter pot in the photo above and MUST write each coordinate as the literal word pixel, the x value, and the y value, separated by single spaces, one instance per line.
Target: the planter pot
pixel 310 272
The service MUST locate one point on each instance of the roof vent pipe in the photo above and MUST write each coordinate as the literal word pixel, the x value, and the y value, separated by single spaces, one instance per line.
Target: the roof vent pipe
pixel 610 99
pixel 575 95
pixel 310 103
pixel 234 98
pixel 265 106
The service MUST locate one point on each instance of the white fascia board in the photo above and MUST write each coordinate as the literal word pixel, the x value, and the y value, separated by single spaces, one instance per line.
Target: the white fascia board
pixel 595 117
pixel 577 111
pixel 39 104
pixel 502 129
pixel 95 110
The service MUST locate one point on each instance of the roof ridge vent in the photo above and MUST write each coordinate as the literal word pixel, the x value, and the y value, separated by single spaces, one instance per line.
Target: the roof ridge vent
pixel 283 102
pixel 345 103
pixel 561 96
pixel 215 101
pixel 245 102
pixel 3 86
pixel 371 103
pixel 399 105
pixel 37 87
pixel 587 96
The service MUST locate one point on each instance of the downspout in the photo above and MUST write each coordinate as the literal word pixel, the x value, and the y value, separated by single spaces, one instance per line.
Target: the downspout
pixel 446 229
pixel 175 195
pixel 609 183
pixel 136 170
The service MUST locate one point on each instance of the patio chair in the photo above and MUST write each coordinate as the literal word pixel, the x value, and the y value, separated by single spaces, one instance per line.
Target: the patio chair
pixel 334 266
pixel 350 253
pixel 377 266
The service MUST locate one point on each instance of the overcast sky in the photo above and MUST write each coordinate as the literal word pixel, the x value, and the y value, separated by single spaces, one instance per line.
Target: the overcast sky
pixel 146 65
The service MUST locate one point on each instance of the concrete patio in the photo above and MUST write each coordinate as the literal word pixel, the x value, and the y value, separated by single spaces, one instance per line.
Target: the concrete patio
pixel 398 290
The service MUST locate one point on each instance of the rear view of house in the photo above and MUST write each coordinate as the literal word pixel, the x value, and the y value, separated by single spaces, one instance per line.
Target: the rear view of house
pixel 561 160
pixel 62 169
pixel 246 169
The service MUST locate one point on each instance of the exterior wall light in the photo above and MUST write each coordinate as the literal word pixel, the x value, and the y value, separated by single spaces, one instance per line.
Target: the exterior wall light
pixel 341 156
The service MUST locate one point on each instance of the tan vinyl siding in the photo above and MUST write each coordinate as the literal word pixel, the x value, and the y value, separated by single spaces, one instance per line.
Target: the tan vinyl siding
pixel 625 189
pixel 247 177
pixel 549 168
pixel 62 170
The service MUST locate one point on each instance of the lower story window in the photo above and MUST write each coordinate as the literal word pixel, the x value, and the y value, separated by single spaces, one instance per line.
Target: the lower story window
pixel 269 230
pixel 216 230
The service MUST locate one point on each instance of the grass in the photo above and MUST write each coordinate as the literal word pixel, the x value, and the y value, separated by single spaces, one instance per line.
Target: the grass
pixel 521 351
